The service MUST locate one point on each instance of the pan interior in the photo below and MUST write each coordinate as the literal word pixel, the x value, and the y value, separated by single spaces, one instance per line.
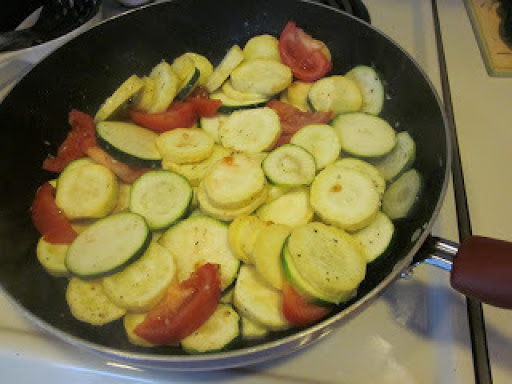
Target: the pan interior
pixel 85 71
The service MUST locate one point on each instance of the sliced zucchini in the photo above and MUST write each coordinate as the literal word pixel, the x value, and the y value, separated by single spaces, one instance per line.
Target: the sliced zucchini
pixel 129 143
pixel 402 195
pixel 141 285
pixel 321 140
pixel 400 159
pixel 335 93
pixel 199 240
pixel 123 198
pixel 220 332
pixel 297 95
pixel 344 197
pixel 376 237
pixel 145 98
pixel 292 208
pixel 257 300
pixel 52 257
pixel 252 330
pixel 364 135
pixel 251 131
pixel 267 77
pixel 234 181
pixel 225 214
pixel 230 105
pixel 108 245
pixel 289 165
pixel 162 197
pixel 119 98
pixel 86 191
pixel 185 145
pixel 266 254
pixel 88 303
pixel 211 125
pixel 323 262
pixel 242 235
pixel 184 67
pixel 234 94
pixel 262 47
pixel 366 168
pixel 203 64
pixel 195 172
pixel 167 85
pixel 371 88
pixel 231 60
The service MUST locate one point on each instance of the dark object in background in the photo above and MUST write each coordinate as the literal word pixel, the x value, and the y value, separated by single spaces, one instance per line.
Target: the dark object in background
pixel 15 11
pixel 57 18
pixel 505 12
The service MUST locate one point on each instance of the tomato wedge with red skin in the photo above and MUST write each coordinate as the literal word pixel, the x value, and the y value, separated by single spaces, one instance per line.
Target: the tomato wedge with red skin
pixel 48 219
pixel 125 172
pixel 303 54
pixel 79 139
pixel 186 307
pixel 181 114
pixel 292 119
pixel 298 311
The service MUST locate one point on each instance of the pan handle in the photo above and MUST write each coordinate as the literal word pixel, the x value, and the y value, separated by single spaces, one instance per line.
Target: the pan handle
pixel 481 267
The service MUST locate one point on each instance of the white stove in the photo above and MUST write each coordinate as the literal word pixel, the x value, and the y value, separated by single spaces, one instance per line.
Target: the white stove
pixel 417 331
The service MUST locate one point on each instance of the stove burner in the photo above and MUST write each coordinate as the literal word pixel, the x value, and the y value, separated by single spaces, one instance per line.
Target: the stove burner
pixel 353 7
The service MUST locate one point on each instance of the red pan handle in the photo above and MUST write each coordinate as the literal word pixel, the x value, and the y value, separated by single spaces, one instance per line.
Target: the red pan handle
pixel 482 269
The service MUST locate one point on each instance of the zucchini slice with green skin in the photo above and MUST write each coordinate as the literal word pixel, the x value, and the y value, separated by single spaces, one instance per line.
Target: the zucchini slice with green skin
pixel 256 299
pixel 400 159
pixel 364 135
pixel 203 64
pixel 335 93
pixel 371 88
pixel 129 143
pixel 188 84
pixel 376 237
pixel 108 245
pixel 230 105
pixel 401 196
pixel 289 165
pixel 142 284
pixel 162 197
pixel 344 197
pixel 324 262
pixel 219 333
pixel 199 240
pixel 321 140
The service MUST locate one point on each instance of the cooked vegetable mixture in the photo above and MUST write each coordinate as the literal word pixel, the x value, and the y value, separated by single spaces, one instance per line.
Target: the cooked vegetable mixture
pixel 206 204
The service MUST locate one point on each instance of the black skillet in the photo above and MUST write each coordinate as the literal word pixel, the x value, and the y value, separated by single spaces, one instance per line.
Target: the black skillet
pixel 85 71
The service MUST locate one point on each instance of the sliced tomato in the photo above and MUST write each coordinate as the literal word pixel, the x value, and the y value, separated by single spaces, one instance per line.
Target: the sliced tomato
pixel 298 311
pixel 205 107
pixel 179 115
pixel 282 140
pixel 49 221
pixel 125 172
pixel 186 307
pixel 292 119
pixel 303 54
pixel 79 139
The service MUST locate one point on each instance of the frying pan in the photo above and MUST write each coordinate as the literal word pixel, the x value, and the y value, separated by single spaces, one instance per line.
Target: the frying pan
pixel 82 73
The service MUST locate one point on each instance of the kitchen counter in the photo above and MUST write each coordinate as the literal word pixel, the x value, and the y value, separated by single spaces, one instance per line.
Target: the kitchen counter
pixel 417 331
